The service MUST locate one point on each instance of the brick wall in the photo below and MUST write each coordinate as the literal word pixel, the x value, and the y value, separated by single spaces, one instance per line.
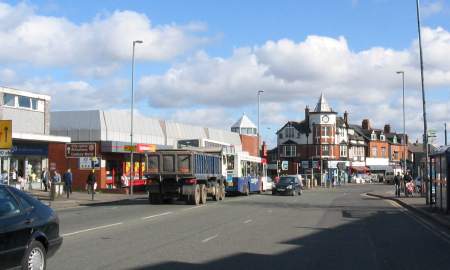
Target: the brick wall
pixel 250 144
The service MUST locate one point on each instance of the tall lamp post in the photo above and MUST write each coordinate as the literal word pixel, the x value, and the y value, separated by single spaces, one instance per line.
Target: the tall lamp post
pixel 132 114
pixel 404 122
pixel 425 129
pixel 258 133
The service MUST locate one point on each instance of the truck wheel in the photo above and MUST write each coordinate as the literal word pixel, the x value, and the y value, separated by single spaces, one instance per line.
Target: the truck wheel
pixel 217 193
pixel 195 198
pixel 203 194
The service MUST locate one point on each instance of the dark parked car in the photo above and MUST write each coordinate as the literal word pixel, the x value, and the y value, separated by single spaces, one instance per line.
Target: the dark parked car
pixel 29 231
pixel 288 185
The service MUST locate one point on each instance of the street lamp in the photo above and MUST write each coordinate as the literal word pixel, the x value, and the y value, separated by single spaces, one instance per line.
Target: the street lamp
pixel 259 94
pixel 425 129
pixel 404 123
pixel 132 109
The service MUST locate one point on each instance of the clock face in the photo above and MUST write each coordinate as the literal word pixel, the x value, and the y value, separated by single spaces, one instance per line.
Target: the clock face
pixel 325 118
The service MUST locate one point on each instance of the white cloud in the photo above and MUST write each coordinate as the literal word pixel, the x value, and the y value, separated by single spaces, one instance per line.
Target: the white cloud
pixel 99 44
pixel 363 82
pixel 430 8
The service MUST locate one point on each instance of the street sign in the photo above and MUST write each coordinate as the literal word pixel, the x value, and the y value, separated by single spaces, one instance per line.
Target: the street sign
pixel 77 150
pixel 88 163
pixel 5 134
pixel 5 153
pixel 284 165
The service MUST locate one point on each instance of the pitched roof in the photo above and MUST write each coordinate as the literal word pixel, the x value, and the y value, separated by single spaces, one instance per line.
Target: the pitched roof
pixel 322 105
pixel 244 122
pixel 301 127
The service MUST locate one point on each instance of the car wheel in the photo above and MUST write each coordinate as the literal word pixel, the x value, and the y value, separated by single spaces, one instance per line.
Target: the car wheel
pixel 35 257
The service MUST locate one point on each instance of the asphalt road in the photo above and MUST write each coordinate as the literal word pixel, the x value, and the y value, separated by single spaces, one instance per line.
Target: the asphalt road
pixel 322 229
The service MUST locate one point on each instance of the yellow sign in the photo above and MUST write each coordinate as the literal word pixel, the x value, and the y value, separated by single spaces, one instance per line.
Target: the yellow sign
pixel 5 134
pixel 129 148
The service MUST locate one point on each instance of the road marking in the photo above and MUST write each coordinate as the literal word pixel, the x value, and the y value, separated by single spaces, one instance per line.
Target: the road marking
pixel 247 221
pixel 191 208
pixel 157 215
pixel 92 229
pixel 209 238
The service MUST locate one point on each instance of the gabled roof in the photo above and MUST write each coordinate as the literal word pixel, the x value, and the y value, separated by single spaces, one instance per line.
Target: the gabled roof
pixel 244 122
pixel 340 122
pixel 301 127
pixel 322 105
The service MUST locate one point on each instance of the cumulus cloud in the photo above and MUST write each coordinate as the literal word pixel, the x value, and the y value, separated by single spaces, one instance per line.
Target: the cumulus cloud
pixel 98 45
pixel 364 82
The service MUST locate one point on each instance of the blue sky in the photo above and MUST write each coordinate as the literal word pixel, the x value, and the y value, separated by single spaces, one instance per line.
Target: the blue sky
pixel 210 57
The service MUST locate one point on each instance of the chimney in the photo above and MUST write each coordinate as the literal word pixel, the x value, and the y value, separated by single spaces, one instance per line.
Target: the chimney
pixel 346 118
pixel 306 112
pixel 387 129
pixel 366 124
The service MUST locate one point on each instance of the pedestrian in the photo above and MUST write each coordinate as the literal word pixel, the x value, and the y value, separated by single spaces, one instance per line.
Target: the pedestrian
pixel 44 178
pixel 397 182
pixel 56 177
pixel 67 177
pixel 4 177
pixel 91 181
pixel 124 181
pixel 406 179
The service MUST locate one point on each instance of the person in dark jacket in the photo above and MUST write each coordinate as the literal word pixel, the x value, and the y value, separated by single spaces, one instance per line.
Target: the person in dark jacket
pixel 397 182
pixel 67 177
pixel 91 180
pixel 45 177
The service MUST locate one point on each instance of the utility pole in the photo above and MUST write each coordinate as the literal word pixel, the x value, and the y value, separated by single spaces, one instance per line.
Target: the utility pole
pixel 404 123
pixel 445 133
pixel 425 129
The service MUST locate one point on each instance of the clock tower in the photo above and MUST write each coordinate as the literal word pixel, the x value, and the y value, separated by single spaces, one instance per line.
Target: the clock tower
pixel 323 126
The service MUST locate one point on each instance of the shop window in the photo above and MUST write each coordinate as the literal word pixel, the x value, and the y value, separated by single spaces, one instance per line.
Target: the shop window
pixel 9 100
pixel 24 102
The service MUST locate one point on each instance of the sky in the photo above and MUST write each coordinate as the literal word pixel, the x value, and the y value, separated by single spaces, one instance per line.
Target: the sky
pixel 202 62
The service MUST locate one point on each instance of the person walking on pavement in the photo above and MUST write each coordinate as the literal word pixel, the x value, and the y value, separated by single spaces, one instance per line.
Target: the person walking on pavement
pixel 397 182
pixel 406 179
pixel 44 178
pixel 91 180
pixel 67 177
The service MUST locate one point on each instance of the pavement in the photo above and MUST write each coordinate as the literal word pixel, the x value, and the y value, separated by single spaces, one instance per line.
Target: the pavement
pixel 415 203
pixel 339 228
pixel 82 199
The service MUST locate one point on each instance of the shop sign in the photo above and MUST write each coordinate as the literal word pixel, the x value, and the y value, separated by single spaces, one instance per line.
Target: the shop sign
pixel 145 147
pixel 129 148
pixel 284 165
pixel 87 163
pixel 78 150
pixel 5 153
pixel 30 150
pixel 5 134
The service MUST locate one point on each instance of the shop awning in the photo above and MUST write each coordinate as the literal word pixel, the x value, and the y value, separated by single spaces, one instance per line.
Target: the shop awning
pixel 359 169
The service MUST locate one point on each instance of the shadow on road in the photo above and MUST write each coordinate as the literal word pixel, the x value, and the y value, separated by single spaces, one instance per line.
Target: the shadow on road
pixel 382 238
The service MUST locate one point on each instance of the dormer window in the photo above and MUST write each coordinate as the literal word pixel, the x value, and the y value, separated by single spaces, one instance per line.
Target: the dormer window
pixel 394 139
pixel 289 132
pixel 373 137
pixel 382 137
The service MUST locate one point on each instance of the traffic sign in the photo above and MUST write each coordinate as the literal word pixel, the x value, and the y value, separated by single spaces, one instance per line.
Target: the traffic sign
pixel 284 165
pixel 77 150
pixel 5 134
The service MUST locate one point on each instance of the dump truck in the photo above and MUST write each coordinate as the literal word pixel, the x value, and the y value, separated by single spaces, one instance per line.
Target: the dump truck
pixel 185 174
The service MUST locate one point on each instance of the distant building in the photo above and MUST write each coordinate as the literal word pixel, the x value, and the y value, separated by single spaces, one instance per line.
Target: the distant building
pixel 248 132
pixel 32 142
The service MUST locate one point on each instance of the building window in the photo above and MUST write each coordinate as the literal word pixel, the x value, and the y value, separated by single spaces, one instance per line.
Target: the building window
pixel 290 150
pixel 343 151
pixel 289 132
pixel 383 152
pixel 9 100
pixel 382 137
pixel 373 137
pixel 280 135
pixel 395 155
pixel 374 152
pixel 325 131
pixel 325 150
pixel 24 102
pixel 394 139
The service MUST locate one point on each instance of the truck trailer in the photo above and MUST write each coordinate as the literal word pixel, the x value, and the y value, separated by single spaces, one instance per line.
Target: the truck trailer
pixel 185 174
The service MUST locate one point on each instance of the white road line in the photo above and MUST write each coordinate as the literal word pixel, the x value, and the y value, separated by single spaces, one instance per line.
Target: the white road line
pixel 92 229
pixel 209 238
pixel 247 221
pixel 191 208
pixel 157 215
